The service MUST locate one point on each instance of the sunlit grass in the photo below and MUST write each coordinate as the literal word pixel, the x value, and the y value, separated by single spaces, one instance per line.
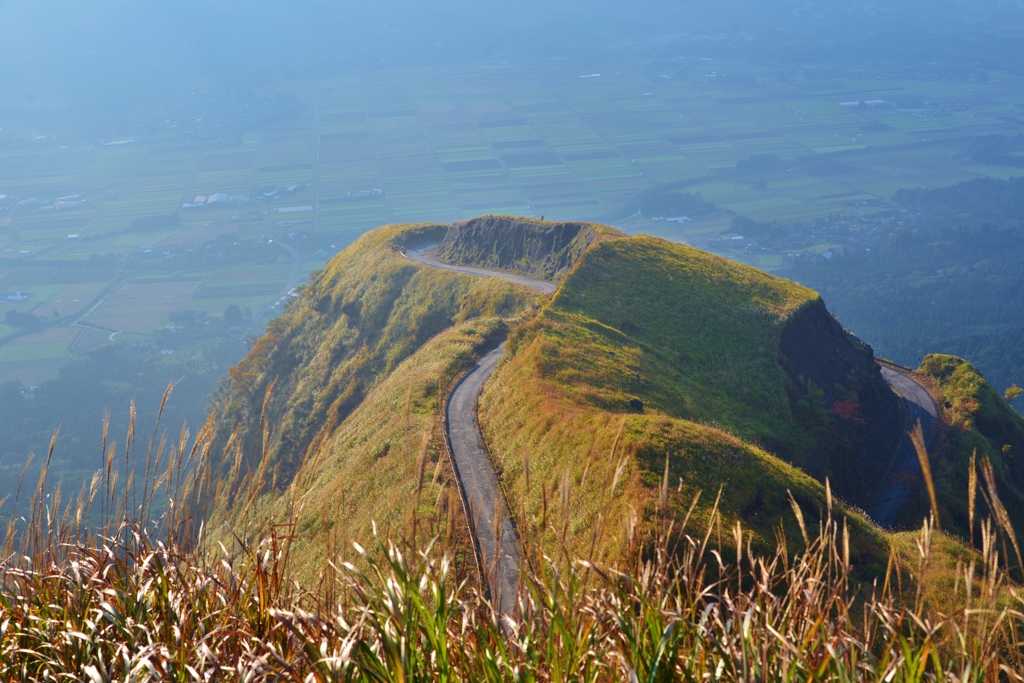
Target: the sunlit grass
pixel 693 601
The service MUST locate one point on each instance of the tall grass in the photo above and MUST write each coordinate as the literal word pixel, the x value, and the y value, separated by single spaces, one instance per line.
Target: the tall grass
pixel 139 598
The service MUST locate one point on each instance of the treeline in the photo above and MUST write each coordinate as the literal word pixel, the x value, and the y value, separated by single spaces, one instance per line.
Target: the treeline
pixel 105 382
pixel 947 278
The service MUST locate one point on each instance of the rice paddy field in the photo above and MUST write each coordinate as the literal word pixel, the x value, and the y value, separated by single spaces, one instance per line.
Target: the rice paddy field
pixel 545 139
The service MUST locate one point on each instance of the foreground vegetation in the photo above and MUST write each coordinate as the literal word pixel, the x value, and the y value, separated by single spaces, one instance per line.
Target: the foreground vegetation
pixel 133 603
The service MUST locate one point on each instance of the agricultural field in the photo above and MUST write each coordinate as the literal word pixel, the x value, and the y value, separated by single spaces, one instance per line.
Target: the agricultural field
pixel 257 204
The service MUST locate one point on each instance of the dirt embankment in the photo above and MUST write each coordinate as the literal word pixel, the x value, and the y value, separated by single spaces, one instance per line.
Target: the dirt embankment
pixel 835 377
pixel 538 249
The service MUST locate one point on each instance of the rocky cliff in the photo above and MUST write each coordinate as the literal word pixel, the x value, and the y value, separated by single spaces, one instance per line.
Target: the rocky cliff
pixel 528 247
pixel 831 368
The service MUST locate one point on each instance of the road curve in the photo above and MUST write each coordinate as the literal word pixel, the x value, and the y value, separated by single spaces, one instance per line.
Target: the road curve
pixel 493 532
pixel 421 255
pixel 904 474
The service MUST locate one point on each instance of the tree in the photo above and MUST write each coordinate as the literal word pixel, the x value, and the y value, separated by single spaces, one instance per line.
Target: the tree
pixel 1012 393
pixel 19 319
pixel 232 315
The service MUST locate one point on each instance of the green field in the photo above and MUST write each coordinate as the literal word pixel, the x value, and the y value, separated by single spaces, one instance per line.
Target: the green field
pixel 447 144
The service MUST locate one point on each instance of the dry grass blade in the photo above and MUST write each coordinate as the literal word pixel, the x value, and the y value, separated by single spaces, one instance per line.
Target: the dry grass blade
pixel 917 438
pixel 972 492
pixel 799 518
pixel 1002 517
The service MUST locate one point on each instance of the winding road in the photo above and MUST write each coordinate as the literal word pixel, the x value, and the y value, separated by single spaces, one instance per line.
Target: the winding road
pixel 904 473
pixel 494 533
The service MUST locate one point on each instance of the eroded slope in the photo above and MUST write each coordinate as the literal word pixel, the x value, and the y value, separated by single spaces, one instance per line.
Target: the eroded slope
pixel 526 246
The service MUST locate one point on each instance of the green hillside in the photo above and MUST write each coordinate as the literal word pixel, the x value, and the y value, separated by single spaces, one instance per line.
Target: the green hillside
pixel 698 337
pixel 331 420
pixel 699 341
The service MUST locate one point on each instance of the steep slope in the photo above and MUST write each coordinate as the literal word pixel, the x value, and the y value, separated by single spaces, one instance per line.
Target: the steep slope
pixel 350 329
pixel 702 338
pixel 383 465
pixel 721 357
pixel 520 245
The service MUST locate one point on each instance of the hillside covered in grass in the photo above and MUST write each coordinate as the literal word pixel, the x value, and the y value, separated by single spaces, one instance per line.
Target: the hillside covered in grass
pixel 331 421
pixel 343 388
pixel 745 381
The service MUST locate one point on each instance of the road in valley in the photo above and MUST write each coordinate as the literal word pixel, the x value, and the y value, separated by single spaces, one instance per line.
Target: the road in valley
pixel 904 474
pixel 493 532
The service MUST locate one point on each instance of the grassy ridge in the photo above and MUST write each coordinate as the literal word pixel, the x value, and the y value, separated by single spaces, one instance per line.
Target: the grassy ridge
pixel 696 338
pixel 359 318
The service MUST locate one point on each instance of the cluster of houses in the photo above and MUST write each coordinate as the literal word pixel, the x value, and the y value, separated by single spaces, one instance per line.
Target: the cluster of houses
pixel 216 199
pixel 221 199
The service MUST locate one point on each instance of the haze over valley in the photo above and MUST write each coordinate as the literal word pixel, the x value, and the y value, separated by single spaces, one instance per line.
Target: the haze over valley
pixel 550 290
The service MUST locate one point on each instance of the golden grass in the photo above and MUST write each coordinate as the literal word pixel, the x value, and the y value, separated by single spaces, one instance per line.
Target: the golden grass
pixel 136 604
pixel 378 466
pixel 367 313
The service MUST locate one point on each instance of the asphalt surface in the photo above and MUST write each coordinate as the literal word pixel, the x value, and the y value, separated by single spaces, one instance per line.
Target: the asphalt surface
pixel 497 542
pixel 904 474
pixel 493 531
pixel 421 254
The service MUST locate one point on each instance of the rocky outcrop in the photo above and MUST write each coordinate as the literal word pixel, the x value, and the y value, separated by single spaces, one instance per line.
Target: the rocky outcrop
pixel 834 375
pixel 538 249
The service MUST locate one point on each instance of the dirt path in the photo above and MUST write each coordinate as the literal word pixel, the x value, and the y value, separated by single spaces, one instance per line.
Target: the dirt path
pixel 493 531
pixel 904 474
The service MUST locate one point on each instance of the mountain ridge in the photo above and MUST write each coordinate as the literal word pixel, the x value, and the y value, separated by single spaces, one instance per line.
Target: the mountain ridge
pixel 731 392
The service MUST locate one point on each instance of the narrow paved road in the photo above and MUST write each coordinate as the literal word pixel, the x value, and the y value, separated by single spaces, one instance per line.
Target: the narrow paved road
pixel 904 474
pixel 493 531
pixel 498 542
pixel 421 254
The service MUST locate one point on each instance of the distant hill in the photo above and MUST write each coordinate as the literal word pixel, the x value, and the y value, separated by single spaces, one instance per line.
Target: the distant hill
pixel 654 373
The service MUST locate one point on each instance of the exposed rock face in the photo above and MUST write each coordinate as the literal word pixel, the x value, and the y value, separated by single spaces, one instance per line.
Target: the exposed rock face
pixel 829 364
pixel 534 248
